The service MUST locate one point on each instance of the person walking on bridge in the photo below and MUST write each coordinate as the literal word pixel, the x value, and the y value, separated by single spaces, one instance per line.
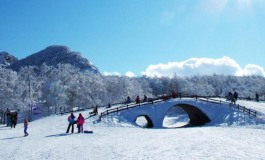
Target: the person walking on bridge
pixel 137 100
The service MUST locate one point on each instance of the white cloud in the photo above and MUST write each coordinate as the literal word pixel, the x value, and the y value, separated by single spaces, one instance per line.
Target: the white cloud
pixel 251 69
pixel 129 74
pixel 203 66
pixel 111 74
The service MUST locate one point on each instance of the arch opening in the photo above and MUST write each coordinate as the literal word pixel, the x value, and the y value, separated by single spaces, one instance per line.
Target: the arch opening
pixel 176 117
pixel 196 116
pixel 144 121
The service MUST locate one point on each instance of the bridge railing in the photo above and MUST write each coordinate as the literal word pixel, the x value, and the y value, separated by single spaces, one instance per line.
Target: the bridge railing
pixel 179 95
pixel 237 106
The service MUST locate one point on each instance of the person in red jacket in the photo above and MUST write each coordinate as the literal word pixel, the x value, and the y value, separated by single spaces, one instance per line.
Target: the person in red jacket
pixel 80 122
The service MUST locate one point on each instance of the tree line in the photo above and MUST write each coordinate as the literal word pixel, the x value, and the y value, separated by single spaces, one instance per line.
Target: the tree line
pixel 65 86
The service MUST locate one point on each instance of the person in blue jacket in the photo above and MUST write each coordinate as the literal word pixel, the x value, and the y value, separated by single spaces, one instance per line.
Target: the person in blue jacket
pixel 71 120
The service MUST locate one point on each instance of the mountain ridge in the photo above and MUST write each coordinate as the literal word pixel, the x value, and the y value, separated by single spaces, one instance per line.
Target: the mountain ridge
pixel 51 56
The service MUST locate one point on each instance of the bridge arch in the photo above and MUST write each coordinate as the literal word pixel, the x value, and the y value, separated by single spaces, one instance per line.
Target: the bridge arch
pixel 196 116
pixel 149 122
pixel 155 113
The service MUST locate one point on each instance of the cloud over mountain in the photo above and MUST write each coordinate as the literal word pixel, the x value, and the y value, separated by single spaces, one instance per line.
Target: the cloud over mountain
pixel 203 66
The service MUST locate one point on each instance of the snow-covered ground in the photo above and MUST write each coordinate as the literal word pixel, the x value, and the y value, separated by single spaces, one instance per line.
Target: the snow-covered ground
pixel 114 139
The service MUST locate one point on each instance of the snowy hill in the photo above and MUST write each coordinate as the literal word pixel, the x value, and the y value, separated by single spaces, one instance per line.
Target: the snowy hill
pixel 113 138
pixel 54 55
pixel 6 59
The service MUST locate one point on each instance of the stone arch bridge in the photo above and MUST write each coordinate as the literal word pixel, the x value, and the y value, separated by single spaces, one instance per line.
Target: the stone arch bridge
pixel 198 112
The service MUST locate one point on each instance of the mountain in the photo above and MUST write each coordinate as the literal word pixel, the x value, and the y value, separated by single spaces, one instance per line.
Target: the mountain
pixel 54 55
pixel 6 59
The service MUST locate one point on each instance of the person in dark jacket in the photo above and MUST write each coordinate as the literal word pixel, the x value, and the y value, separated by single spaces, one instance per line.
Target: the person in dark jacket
pixel 145 98
pixel 14 119
pixel 257 97
pixel 137 100
pixel 71 120
pixel 128 100
pixel 235 96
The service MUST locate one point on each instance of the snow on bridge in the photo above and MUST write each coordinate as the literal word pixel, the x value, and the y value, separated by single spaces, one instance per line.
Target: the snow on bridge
pixel 200 112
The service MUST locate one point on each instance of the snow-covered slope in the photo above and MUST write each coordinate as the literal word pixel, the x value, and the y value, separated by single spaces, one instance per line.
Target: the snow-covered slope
pixel 114 139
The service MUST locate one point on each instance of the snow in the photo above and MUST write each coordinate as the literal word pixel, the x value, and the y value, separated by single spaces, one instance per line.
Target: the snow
pixel 113 138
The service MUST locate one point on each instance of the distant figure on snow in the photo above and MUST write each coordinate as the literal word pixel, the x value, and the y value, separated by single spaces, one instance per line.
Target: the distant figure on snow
pixel 145 98
pixel 26 123
pixel 71 120
pixel 80 122
pixel 235 96
pixel 257 97
pixel 14 119
pixel 229 96
pixel 232 98
pixel 109 105
pixel 174 94
pixel 137 100
pixel 95 111
pixel 128 100
pixel 8 117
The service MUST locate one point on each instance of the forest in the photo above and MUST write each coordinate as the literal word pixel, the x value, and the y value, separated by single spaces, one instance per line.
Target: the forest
pixel 64 87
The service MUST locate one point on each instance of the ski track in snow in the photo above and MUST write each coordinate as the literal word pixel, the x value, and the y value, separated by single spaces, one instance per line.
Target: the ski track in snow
pixel 47 140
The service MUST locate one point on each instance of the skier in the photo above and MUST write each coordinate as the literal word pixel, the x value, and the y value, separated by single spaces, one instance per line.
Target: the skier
pixel 26 127
pixel 80 122
pixel 71 120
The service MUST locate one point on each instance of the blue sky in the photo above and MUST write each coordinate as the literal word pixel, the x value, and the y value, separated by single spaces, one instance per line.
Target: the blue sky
pixel 134 35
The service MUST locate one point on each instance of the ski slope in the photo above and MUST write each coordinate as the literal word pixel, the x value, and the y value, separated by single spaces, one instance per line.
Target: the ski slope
pixel 115 139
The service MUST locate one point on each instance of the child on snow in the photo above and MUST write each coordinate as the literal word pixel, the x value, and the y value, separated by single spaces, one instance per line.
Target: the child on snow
pixel 25 127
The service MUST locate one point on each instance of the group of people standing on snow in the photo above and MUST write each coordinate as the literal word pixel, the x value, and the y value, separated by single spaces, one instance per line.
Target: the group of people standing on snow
pixel 137 100
pixel 232 97
pixel 72 121
pixel 11 118
pixel 11 121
